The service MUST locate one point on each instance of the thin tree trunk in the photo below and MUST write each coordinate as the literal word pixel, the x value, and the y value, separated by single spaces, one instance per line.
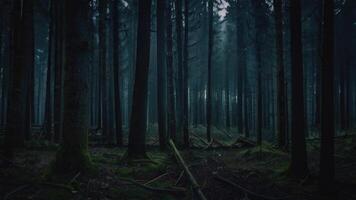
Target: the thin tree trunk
pixel 161 75
pixel 186 75
pixel 116 66
pixel 209 89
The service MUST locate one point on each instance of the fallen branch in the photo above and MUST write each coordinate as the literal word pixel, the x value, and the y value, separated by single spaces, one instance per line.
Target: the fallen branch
pixel 246 191
pixel 18 189
pixel 156 178
pixel 194 183
pixel 74 178
pixel 178 191
pixel 179 178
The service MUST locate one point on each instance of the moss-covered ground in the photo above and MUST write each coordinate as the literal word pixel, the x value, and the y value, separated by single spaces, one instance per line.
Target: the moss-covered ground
pixel 260 172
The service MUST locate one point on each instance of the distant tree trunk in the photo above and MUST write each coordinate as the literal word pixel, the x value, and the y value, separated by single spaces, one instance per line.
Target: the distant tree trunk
pixel 73 155
pixel 258 12
pixel 170 76
pixel 210 50
pixel 327 161
pixel 281 120
pixel 161 75
pixel 29 62
pixel 186 75
pixel 116 66
pixel 227 96
pixel 298 165
pixel 58 79
pixel 48 101
pixel 102 64
pixel 179 95
pixel 16 103
pixel 136 147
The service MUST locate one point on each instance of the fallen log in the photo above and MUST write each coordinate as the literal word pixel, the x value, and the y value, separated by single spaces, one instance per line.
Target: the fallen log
pixel 193 181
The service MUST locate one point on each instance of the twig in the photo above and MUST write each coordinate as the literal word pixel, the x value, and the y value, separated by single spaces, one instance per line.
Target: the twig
pixel 179 178
pixel 18 189
pixel 156 178
pixel 74 178
pixel 169 190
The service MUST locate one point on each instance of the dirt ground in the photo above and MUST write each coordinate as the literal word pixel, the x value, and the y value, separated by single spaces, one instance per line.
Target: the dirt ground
pixel 239 173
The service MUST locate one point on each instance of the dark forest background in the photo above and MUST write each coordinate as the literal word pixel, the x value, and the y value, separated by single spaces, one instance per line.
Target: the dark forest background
pixel 142 76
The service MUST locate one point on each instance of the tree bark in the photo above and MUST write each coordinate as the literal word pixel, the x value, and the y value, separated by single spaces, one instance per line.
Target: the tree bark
pixel 136 147
pixel 298 165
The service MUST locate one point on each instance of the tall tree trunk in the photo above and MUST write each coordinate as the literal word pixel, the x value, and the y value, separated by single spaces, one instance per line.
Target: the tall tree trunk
pixel 210 51
pixel 16 103
pixel 327 161
pixel 58 78
pixel 170 76
pixel 186 75
pixel 48 101
pixel 136 147
pixel 281 120
pixel 73 155
pixel 180 84
pixel 298 165
pixel 161 75
pixel 258 21
pixel 116 66
pixel 29 61
pixel 102 65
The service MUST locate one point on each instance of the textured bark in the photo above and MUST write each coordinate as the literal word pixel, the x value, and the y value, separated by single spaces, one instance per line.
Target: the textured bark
pixel 116 66
pixel 103 70
pixel 161 75
pixel 16 103
pixel 298 165
pixel 281 120
pixel 170 76
pixel 73 154
pixel 185 119
pixel 136 147
pixel 327 160
pixel 209 89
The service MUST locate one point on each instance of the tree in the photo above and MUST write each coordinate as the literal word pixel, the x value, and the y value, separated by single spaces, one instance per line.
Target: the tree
pixel 180 84
pixel 186 76
pixel 73 154
pixel 161 75
pixel 210 50
pixel 170 75
pixel 327 165
pixel 298 165
pixel 116 66
pixel 136 147
pixel 102 64
pixel 16 103
pixel 281 120
pixel 259 31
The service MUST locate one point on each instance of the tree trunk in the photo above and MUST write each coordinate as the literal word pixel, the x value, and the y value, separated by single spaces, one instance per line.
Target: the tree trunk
pixel 210 50
pixel 281 120
pixel 170 76
pixel 186 75
pixel 73 155
pixel 102 65
pixel 116 66
pixel 136 147
pixel 298 165
pixel 327 163
pixel 161 75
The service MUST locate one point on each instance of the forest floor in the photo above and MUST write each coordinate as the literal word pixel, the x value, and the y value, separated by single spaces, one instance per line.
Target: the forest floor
pixel 237 173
